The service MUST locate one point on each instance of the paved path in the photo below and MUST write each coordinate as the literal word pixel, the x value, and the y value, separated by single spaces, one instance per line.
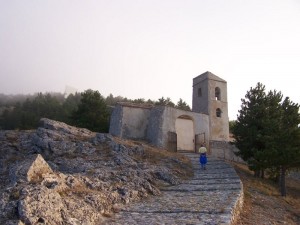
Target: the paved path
pixel 208 198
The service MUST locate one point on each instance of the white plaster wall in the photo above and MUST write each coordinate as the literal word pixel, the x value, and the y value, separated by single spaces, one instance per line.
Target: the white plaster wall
pixel 134 122
pixel 185 134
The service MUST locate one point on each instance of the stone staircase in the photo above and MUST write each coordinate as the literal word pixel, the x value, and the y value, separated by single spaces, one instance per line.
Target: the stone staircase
pixel 212 196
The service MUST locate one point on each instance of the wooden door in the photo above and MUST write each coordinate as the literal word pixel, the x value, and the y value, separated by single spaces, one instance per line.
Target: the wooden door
pixel 172 141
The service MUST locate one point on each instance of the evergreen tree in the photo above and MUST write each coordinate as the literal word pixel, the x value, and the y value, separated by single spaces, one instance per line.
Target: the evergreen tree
pixel 286 151
pixel 271 126
pixel 267 133
pixel 69 106
pixel 111 100
pixel 249 129
pixel 149 101
pixel 92 112
pixel 231 125
pixel 183 105
pixel 165 102
pixel 139 101
pixel 11 118
pixel 27 115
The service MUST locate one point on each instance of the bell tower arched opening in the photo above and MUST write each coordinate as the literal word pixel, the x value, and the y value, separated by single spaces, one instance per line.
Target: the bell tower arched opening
pixel 218 94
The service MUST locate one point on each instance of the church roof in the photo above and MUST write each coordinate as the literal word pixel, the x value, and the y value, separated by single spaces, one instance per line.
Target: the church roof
pixel 136 105
pixel 207 75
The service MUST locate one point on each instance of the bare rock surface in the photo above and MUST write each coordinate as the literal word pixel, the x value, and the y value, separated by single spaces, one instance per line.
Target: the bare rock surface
pixel 59 174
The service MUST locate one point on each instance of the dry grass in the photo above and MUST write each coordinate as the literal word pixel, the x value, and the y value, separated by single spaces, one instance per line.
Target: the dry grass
pixel 263 203
pixel 179 164
pixel 79 190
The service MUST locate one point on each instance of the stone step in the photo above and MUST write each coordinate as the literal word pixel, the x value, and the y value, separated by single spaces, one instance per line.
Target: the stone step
pixel 207 198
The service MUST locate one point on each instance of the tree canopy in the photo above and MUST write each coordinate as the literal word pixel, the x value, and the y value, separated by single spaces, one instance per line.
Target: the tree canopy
pixel 92 112
pixel 24 111
pixel 267 132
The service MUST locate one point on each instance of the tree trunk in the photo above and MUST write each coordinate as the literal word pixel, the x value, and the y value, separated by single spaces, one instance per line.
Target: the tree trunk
pixel 282 181
pixel 262 173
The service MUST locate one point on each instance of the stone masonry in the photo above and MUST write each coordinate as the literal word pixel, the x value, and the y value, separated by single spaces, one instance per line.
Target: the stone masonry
pixel 212 196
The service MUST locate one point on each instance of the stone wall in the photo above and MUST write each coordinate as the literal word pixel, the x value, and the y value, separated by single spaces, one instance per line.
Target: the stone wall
pixel 135 122
pixel 224 150
pixel 201 122
pixel 235 214
pixel 130 121
pixel 199 84
pixel 154 132
pixel 116 121
pixel 153 123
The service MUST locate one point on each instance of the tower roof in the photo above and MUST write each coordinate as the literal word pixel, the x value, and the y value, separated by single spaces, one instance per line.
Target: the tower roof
pixel 207 75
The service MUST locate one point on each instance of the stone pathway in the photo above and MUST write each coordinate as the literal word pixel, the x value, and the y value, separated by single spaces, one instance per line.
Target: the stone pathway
pixel 210 197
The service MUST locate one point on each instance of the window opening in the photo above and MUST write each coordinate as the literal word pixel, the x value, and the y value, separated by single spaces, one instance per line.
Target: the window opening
pixel 217 93
pixel 218 112
pixel 199 92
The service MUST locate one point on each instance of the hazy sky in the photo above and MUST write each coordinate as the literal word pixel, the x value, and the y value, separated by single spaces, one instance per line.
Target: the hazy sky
pixel 149 48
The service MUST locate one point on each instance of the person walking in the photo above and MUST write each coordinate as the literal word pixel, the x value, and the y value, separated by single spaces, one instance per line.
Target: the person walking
pixel 203 159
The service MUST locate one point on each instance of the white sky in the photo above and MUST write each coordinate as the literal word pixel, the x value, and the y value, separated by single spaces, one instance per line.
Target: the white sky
pixel 149 48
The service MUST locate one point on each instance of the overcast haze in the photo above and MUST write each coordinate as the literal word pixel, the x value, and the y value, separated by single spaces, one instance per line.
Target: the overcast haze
pixel 149 49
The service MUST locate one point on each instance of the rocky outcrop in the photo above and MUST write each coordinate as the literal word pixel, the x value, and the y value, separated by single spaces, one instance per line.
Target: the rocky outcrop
pixel 59 174
pixel 31 169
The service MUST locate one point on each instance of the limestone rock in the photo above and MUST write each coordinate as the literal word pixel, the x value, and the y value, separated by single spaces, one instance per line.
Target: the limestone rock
pixel 59 174
pixel 39 204
pixel 14 222
pixel 64 128
pixel 31 169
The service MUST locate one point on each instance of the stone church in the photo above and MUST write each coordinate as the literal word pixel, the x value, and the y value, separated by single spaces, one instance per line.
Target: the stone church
pixel 175 129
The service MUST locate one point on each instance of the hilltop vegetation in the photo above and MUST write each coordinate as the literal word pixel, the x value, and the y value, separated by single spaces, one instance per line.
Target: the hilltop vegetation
pixel 88 109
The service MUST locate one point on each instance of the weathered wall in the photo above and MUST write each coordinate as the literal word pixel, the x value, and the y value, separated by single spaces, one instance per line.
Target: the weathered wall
pixel 224 150
pixel 201 122
pixel 231 156
pixel 154 132
pixel 205 101
pixel 130 122
pixel 135 122
pixel 115 126
pixel 219 125
pixel 200 103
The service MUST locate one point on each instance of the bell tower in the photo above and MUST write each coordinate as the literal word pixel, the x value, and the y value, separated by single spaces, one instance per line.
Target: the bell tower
pixel 210 97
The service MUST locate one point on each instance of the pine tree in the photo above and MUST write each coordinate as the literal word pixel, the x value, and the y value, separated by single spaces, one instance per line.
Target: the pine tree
pixel 267 133
pixel 249 129
pixel 183 105
pixel 92 112
pixel 287 150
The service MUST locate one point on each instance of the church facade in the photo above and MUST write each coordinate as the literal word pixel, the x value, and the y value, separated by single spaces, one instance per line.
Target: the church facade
pixel 175 129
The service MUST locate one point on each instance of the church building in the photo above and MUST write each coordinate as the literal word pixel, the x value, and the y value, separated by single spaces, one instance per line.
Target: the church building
pixel 175 129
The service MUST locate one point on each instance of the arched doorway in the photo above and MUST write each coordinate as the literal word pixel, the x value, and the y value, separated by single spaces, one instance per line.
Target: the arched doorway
pixel 184 126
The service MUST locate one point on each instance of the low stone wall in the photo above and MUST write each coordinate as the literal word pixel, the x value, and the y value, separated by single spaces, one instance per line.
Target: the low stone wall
pixel 225 150
pixel 238 207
